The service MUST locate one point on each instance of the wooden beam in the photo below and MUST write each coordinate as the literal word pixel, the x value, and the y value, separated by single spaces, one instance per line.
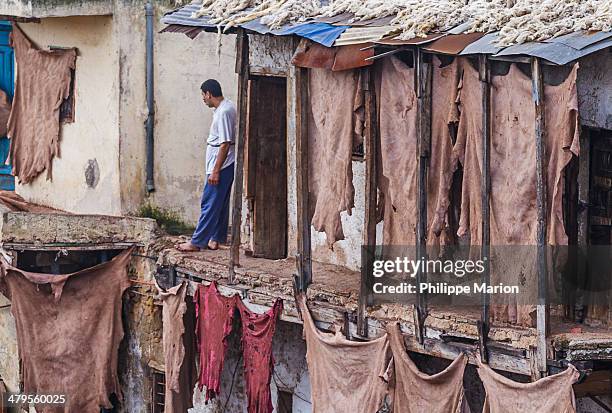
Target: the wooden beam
pixel 304 259
pixel 369 229
pixel 242 68
pixel 483 326
pixel 584 196
pixel 17 19
pixel 423 73
pixel 540 128
pixel 10 246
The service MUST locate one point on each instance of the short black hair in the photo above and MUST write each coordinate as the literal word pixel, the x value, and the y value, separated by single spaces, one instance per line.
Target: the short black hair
pixel 212 86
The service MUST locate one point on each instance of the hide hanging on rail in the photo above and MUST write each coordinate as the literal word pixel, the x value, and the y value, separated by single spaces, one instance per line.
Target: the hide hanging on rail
pixel 68 332
pixel 397 111
pixel 397 179
pixel 552 394
pixel 42 84
pixel 417 392
pixel 179 349
pixel 513 178
pixel 333 119
pixel 345 376
pixel 257 335
pixel 214 315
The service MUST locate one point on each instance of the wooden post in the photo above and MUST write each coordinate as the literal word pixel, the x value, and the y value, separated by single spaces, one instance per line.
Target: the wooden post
pixel 304 259
pixel 584 197
pixel 540 128
pixel 369 228
pixel 242 68
pixel 423 76
pixel 483 325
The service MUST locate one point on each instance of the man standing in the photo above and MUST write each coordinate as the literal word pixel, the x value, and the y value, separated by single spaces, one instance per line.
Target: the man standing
pixel 212 225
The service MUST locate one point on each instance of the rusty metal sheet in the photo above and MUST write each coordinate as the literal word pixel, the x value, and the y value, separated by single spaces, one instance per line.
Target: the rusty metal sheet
pixel 392 41
pixel 313 55
pixel 580 40
pixel 452 44
pixel 351 57
pixel 378 22
pixel 342 19
pixel 484 45
pixel 348 19
pixel 459 29
pixel 365 34
pixel 183 16
pixel 557 53
pixel 189 31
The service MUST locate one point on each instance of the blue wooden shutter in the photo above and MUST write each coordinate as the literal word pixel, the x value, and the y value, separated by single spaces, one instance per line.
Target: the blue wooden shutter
pixel 7 70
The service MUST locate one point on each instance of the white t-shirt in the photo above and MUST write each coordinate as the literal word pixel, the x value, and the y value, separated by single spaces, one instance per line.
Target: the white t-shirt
pixel 222 129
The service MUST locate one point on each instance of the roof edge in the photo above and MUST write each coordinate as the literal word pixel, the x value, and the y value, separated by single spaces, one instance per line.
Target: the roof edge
pixel 55 8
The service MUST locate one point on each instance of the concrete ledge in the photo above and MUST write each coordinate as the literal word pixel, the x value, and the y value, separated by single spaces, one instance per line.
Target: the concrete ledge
pixel 55 8
pixel 41 229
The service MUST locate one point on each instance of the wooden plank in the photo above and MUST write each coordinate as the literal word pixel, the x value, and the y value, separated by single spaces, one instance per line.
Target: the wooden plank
pixel 584 172
pixel 540 127
pixel 500 357
pixel 570 287
pixel 484 72
pixel 70 246
pixel 242 68
pixel 304 260
pixel 250 152
pixel 370 218
pixel 422 86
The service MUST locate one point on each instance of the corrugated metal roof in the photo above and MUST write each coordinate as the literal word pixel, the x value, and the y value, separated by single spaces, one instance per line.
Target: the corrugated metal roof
pixel 189 31
pixel 580 40
pixel 320 32
pixel 452 44
pixel 484 45
pixel 336 31
pixel 182 16
pixel 558 50
pixel 323 33
pixel 414 41
pixel 356 35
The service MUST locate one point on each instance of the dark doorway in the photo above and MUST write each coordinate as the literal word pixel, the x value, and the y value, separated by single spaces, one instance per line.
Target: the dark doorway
pixel 600 227
pixel 267 166
pixel 601 187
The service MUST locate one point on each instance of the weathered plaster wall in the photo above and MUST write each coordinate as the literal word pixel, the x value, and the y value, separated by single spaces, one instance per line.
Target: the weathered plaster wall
pixel 129 30
pixel 111 112
pixel 595 90
pixel 140 350
pixel 53 8
pixel 9 358
pixel 346 252
pixel 93 136
pixel 182 119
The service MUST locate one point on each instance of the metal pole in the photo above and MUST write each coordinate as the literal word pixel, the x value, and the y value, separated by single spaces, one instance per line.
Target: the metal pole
pixel 150 182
